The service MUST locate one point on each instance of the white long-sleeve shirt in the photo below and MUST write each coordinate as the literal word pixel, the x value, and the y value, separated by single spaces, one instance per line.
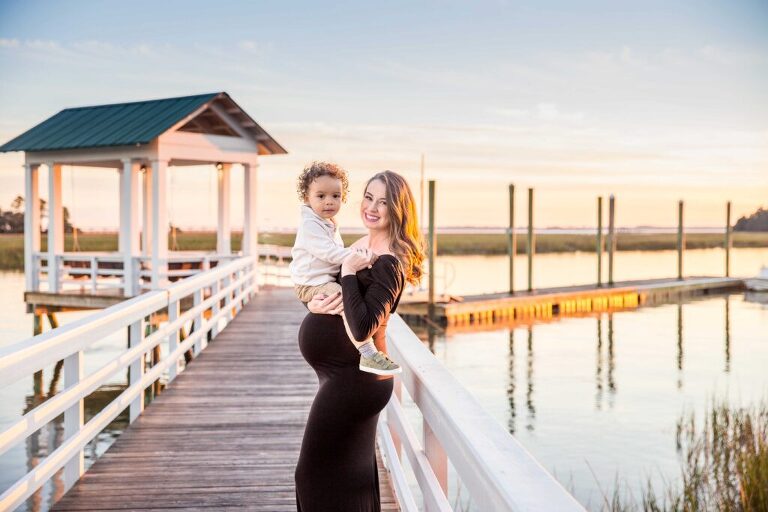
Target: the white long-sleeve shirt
pixel 318 251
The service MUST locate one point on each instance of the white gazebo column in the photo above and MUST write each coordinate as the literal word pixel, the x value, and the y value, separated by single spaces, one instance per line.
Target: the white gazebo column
pixel 31 225
pixel 223 233
pixel 250 227
pixel 128 241
pixel 159 223
pixel 55 225
pixel 146 224
pixel 250 245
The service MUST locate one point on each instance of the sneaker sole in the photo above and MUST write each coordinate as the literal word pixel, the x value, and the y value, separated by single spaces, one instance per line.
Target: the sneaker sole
pixel 380 372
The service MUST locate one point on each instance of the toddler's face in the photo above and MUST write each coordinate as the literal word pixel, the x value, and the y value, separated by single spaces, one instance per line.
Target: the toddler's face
pixel 324 196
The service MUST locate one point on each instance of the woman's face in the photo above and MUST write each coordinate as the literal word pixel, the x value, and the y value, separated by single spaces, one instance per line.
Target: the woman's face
pixel 374 210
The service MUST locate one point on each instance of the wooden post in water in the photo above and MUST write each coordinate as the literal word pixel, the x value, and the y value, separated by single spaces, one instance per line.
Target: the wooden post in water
pixel 432 248
pixel 37 328
pixel 511 239
pixel 680 240
pixel 599 244
pixel 728 242
pixel 421 193
pixel 611 236
pixel 531 242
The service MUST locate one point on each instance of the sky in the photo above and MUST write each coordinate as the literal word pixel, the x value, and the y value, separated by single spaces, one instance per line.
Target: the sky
pixel 652 101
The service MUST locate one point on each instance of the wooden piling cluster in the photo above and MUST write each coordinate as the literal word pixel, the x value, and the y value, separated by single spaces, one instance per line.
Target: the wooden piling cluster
pixel 543 304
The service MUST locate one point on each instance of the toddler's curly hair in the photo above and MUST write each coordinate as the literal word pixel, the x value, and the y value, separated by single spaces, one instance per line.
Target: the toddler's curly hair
pixel 317 169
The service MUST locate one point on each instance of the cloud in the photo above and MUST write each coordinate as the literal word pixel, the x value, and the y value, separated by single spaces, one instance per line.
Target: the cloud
pixel 253 47
pixel 544 111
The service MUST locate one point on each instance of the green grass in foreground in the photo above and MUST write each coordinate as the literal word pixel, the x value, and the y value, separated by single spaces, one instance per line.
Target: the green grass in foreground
pixel 723 465
pixel 12 246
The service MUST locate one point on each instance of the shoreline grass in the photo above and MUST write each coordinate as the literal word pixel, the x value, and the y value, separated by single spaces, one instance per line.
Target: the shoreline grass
pixel 12 245
pixel 723 465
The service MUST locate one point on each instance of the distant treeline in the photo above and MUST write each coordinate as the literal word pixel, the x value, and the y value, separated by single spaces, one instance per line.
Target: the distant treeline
pixel 758 221
pixel 12 221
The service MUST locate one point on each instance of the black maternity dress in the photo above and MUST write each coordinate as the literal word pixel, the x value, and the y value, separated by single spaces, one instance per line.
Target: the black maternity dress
pixel 336 471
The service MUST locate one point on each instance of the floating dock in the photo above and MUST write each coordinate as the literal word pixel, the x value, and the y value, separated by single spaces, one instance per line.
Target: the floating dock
pixel 546 303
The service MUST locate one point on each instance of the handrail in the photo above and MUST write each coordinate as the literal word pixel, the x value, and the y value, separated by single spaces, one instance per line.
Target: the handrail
pixel 499 473
pixel 73 268
pixel 232 282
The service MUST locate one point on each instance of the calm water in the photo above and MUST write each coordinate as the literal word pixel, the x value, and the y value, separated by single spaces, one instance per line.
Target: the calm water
pixel 585 395
pixel 598 398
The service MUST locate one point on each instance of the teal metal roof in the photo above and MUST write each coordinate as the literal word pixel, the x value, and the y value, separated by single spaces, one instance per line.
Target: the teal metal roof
pixel 120 124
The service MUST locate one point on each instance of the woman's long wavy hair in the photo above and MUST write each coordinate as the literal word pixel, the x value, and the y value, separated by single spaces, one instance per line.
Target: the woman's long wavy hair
pixel 405 238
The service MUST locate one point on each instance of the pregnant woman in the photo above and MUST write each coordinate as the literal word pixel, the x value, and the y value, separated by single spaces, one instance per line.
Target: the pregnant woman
pixel 336 471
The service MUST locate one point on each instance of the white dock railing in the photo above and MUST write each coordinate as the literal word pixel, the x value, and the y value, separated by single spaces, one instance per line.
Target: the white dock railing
pixel 99 271
pixel 498 472
pixel 233 283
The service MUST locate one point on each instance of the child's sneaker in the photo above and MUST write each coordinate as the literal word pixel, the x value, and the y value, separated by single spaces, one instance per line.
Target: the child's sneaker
pixel 379 364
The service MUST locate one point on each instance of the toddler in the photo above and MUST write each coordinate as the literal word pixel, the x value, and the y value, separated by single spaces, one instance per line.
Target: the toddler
pixel 319 250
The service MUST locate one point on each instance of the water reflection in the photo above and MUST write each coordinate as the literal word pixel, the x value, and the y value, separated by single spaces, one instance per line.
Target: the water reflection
pixel 511 385
pixel 611 364
pixel 605 381
pixel 605 357
pixel 529 382
pixel 727 334
pixel 44 441
pixel 679 345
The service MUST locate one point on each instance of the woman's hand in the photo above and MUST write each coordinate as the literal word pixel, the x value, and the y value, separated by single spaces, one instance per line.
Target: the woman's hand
pixel 358 259
pixel 326 305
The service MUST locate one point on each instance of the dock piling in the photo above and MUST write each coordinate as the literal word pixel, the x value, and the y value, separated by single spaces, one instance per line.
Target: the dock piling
pixel 728 242
pixel 432 248
pixel 531 242
pixel 680 239
pixel 599 241
pixel 511 239
pixel 611 236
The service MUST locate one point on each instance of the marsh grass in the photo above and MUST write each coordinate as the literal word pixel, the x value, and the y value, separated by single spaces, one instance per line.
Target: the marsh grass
pixel 12 246
pixel 723 465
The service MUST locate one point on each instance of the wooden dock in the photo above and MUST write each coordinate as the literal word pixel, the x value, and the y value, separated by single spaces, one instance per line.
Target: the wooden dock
pixel 225 435
pixel 545 303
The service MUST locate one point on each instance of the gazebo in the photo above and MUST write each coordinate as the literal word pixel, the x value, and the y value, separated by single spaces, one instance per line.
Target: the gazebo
pixel 140 140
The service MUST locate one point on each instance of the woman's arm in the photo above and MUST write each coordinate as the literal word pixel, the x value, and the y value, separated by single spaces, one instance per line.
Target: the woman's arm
pixel 364 313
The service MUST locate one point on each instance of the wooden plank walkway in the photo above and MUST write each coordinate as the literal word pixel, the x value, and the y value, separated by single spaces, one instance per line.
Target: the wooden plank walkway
pixel 225 435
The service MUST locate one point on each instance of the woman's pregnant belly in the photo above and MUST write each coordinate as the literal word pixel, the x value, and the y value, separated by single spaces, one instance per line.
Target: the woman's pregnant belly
pixel 344 389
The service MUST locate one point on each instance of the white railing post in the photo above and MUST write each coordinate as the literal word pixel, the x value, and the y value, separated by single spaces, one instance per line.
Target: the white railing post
pixel 33 281
pixel 228 297
pixel 240 288
pixel 94 273
pixel 398 393
pixel 436 457
pixel 73 418
pixel 173 339
pixel 198 321
pixel 135 337
pixel 215 309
